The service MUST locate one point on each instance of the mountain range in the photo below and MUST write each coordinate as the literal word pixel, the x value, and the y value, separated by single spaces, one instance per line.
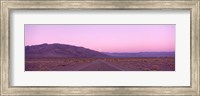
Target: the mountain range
pixel 70 51
pixel 143 54
pixel 61 50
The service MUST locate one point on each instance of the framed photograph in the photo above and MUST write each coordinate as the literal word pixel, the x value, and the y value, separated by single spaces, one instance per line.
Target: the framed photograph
pixel 67 47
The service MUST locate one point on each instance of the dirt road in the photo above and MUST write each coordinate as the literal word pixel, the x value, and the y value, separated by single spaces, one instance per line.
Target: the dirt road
pixel 100 66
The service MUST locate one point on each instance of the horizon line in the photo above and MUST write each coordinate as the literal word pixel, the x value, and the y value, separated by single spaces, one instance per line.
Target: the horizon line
pixel 103 51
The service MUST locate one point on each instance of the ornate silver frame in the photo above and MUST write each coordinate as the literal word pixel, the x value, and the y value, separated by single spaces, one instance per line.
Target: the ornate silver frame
pixel 8 5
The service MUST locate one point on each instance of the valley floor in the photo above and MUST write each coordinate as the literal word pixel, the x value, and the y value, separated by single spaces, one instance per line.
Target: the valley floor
pixel 100 64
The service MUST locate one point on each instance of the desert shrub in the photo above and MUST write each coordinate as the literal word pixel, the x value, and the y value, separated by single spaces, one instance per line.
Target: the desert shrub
pixel 155 67
pixel 144 65
pixel 146 69
pixel 66 60
pixel 171 65
pixel 43 67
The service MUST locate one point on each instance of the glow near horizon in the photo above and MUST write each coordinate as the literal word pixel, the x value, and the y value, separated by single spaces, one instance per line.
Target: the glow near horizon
pixel 105 38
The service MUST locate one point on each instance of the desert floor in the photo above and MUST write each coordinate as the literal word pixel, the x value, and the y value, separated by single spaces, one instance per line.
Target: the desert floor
pixel 100 64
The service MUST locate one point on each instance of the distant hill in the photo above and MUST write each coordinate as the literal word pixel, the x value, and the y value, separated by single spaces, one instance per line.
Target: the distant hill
pixel 61 50
pixel 143 54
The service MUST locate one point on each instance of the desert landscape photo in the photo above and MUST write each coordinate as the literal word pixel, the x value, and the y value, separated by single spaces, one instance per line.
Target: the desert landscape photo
pixel 99 47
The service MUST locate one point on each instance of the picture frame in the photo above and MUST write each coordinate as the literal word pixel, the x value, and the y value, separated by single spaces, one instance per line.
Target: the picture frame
pixel 8 5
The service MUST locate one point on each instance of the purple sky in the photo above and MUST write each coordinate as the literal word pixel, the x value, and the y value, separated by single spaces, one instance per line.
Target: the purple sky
pixel 105 38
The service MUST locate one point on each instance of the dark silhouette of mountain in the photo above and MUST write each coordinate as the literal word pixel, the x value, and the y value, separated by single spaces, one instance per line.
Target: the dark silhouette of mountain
pixel 61 50
pixel 143 54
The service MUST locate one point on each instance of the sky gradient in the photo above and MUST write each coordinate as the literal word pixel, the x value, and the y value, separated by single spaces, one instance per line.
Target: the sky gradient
pixel 105 38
